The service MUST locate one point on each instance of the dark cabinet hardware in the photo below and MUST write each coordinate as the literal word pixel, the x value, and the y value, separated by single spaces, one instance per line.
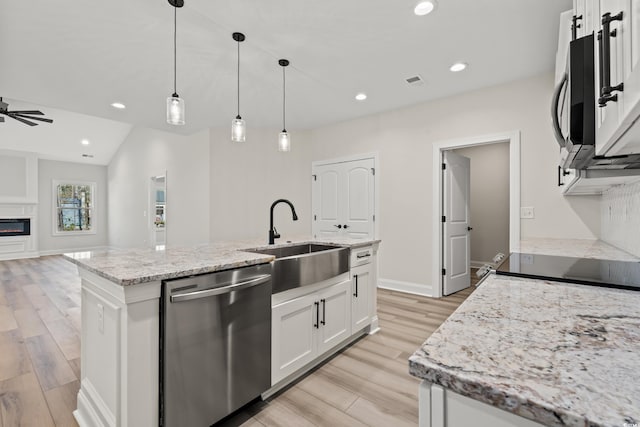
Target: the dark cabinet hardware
pixel 337 225
pixel 561 173
pixel 355 276
pixel 575 26
pixel 317 304
pixel 324 303
pixel 604 41
pixel 367 254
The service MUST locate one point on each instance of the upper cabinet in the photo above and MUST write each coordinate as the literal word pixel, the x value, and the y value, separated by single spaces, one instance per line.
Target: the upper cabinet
pixel 617 54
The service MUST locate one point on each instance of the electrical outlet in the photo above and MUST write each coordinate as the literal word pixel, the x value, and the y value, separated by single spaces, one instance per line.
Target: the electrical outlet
pixel 100 318
pixel 526 259
pixel 527 213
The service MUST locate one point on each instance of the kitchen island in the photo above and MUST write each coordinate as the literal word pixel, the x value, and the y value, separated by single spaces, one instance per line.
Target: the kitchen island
pixel 529 352
pixel 120 349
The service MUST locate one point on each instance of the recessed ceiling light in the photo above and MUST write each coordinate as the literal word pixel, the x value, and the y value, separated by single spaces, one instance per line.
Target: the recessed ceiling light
pixel 361 96
pixel 119 105
pixel 85 142
pixel 458 66
pixel 425 7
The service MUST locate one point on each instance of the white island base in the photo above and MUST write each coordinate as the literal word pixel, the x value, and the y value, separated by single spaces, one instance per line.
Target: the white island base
pixel 439 407
pixel 119 356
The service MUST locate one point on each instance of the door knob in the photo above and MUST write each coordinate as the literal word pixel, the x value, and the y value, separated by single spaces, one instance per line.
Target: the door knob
pixel 345 226
pixel 338 225
pixel 469 228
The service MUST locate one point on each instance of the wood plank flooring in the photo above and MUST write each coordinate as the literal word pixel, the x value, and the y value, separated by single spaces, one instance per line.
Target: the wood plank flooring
pixel 367 384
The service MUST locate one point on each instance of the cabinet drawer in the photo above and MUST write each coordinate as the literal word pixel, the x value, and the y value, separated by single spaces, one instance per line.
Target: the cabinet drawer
pixel 361 256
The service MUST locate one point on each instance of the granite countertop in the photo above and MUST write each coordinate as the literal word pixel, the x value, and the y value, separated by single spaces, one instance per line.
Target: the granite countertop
pixel 556 353
pixel 127 267
pixel 579 248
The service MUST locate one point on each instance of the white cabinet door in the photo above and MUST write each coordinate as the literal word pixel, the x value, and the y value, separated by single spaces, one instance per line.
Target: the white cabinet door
pixel 343 199
pixel 361 297
pixel 293 335
pixel 335 319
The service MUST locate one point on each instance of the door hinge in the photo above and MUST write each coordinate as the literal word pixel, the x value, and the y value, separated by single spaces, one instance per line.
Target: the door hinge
pixel 444 218
pixel 444 271
pixel 373 171
pixel 314 218
pixel 374 218
pixel 444 166
pixel 315 178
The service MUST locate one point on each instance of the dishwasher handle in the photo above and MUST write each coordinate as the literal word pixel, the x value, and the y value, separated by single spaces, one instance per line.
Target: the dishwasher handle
pixel 230 287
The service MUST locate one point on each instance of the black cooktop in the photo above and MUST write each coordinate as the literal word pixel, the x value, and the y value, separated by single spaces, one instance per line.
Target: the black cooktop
pixel 595 272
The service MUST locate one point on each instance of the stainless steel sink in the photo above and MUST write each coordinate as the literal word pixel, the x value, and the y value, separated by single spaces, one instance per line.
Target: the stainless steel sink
pixel 305 264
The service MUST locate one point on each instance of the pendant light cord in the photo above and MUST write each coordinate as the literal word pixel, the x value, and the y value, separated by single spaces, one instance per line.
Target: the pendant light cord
pixel 284 100
pixel 238 79
pixel 175 31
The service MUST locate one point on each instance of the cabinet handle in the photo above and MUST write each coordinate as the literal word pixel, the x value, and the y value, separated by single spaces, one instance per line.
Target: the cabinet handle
pixel 561 173
pixel 367 254
pixel 324 303
pixel 356 277
pixel 575 26
pixel 604 40
pixel 337 225
pixel 317 304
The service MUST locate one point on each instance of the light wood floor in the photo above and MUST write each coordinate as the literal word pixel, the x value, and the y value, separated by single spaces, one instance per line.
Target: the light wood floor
pixel 365 385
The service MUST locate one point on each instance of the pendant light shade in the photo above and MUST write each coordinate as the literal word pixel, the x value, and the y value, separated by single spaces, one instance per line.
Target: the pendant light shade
pixel 284 139
pixel 238 126
pixel 175 104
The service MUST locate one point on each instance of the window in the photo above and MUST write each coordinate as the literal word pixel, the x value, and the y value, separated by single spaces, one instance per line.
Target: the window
pixel 74 208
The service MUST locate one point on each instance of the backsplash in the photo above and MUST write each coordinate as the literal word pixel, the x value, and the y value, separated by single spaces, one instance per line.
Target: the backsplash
pixel 620 210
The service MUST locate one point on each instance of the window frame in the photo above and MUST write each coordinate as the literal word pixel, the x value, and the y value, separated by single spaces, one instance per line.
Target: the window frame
pixel 93 208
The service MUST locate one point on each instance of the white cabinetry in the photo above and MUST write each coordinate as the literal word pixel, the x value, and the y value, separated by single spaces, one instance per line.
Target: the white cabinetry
pixel 363 288
pixel 617 76
pixel 305 327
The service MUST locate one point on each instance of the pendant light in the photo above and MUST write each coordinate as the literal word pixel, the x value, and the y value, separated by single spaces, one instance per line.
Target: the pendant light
pixel 238 126
pixel 284 139
pixel 175 104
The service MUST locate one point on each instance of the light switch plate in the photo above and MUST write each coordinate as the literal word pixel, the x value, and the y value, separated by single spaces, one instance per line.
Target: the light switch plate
pixel 527 213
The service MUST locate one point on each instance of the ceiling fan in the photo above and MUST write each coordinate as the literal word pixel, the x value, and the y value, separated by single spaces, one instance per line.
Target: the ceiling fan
pixel 24 116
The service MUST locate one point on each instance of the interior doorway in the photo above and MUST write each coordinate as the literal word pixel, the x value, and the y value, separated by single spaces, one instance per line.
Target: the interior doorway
pixel 450 249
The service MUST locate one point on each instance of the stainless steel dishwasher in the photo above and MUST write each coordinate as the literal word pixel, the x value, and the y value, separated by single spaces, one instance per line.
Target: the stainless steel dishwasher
pixel 215 344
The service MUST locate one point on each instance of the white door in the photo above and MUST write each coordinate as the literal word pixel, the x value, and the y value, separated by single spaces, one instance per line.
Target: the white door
pixel 335 319
pixel 293 335
pixel 455 211
pixel 343 199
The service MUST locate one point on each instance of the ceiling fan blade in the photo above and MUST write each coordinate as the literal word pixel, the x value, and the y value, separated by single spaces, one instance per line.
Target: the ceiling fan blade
pixel 33 112
pixel 26 122
pixel 41 119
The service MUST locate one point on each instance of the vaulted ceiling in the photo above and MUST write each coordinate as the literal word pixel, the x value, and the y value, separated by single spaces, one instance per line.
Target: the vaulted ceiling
pixel 81 56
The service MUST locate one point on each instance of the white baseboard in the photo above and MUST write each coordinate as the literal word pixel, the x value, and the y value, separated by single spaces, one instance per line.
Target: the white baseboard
pixel 407 287
pixel 20 255
pixel 64 251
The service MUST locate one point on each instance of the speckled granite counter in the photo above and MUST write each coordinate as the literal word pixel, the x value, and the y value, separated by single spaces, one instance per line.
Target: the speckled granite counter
pixel 140 265
pixel 556 353
pixel 579 248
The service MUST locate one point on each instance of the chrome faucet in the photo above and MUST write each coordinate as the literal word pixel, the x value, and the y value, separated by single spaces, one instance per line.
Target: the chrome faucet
pixel 273 233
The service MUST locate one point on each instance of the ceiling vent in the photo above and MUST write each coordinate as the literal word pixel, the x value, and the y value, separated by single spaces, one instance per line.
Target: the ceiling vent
pixel 414 80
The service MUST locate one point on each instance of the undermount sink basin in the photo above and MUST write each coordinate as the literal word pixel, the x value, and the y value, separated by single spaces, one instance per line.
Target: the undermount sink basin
pixel 305 264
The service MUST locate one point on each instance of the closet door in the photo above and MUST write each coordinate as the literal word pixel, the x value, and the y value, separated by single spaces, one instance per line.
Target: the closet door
pixel 343 199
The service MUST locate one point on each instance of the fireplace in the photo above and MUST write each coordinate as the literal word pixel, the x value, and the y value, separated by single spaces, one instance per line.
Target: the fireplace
pixel 15 227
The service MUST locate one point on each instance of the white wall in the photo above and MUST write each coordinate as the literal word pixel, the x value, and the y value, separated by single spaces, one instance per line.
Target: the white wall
pixel 145 153
pixel 49 170
pixel 489 200
pixel 621 217
pixel 247 177
pixel 404 141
